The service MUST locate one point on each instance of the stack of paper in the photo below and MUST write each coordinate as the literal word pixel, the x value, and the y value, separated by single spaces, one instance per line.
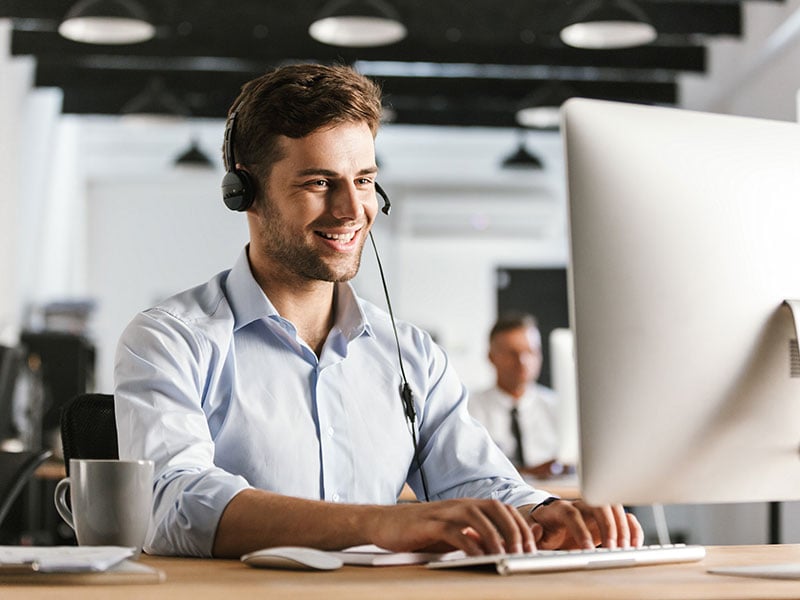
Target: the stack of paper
pixel 61 559
pixel 73 564
pixel 375 556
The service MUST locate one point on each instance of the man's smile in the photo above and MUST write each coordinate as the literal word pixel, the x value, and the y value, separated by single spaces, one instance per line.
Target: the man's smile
pixel 340 237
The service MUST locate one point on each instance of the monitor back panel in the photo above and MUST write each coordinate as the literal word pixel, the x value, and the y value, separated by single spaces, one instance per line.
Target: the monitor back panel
pixel 685 240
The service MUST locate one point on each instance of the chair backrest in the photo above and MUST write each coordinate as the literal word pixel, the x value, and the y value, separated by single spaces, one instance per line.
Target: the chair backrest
pixel 89 428
pixel 16 469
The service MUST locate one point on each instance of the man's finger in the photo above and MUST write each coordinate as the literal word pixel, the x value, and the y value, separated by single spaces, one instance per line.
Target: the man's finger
pixel 623 527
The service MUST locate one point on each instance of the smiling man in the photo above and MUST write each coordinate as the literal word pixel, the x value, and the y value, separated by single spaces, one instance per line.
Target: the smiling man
pixel 269 397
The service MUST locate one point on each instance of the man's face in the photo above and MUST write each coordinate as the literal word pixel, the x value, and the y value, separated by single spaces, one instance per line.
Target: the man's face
pixel 517 356
pixel 319 204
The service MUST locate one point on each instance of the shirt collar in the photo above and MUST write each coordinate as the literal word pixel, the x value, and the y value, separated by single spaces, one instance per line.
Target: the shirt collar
pixel 249 302
pixel 506 400
pixel 350 317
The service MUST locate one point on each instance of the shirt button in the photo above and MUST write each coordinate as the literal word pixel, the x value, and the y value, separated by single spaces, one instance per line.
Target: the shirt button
pixel 330 432
pixel 335 497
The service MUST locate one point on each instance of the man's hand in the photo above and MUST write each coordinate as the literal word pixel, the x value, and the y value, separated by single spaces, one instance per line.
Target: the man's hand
pixel 474 526
pixel 568 524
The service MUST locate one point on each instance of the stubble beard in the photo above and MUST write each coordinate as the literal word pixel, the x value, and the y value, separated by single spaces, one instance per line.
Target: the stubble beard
pixel 297 257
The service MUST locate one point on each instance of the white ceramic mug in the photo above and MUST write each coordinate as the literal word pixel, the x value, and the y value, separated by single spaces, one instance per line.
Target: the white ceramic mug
pixel 111 501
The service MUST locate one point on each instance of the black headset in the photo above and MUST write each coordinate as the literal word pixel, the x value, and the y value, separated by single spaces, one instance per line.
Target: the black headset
pixel 238 190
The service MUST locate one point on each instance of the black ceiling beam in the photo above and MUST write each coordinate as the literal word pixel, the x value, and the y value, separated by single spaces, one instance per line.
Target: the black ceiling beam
pixel 55 75
pixel 454 20
pixel 464 102
pixel 51 47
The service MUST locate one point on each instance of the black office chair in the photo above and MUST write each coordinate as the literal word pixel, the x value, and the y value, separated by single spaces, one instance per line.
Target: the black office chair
pixel 89 428
pixel 16 469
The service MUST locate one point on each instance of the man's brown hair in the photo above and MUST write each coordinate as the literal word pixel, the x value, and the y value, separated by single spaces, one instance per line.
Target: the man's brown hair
pixel 513 320
pixel 294 101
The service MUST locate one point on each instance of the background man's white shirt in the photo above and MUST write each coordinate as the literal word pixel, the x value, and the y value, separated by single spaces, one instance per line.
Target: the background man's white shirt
pixel 538 419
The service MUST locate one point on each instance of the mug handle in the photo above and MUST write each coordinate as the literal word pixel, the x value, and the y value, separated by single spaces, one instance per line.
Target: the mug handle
pixel 61 501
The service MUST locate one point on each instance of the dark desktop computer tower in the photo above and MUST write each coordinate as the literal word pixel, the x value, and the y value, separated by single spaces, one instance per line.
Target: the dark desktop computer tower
pixel 65 363
pixel 10 364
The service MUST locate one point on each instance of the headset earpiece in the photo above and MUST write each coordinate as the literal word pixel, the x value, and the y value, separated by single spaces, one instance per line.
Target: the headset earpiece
pixel 238 190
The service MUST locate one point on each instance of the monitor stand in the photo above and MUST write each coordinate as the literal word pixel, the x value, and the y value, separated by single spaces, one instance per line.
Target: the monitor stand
pixel 794 306
pixel 774 518
pixel 782 571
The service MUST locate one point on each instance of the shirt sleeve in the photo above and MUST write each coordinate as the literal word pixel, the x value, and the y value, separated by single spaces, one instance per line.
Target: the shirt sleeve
pixel 459 458
pixel 161 368
pixel 477 407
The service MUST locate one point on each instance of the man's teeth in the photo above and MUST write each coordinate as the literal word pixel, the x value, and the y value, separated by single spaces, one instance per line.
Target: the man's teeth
pixel 342 237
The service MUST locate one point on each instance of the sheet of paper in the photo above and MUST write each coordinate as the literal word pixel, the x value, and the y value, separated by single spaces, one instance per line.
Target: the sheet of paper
pixel 62 559
pixel 774 571
pixel 370 555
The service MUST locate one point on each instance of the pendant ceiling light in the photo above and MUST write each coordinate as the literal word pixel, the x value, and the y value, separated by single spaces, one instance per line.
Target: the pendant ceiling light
pixel 155 102
pixel 608 24
pixel 544 116
pixel 107 22
pixel 542 108
pixel 358 24
pixel 194 158
pixel 522 158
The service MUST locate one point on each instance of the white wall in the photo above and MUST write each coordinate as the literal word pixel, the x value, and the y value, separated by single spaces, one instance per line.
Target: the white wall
pixel 757 75
pixel 16 75
pixel 147 239
pixel 448 286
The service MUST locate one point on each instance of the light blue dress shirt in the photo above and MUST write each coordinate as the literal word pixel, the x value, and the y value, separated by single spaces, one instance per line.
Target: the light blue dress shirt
pixel 218 389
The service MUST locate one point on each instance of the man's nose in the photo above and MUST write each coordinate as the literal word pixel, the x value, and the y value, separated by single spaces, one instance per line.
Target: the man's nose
pixel 347 202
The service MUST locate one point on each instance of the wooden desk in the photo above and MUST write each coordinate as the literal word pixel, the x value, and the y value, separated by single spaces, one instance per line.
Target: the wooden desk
pixel 52 469
pixel 196 579
pixel 566 486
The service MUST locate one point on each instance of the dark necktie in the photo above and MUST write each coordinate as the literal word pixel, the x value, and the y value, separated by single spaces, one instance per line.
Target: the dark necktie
pixel 519 457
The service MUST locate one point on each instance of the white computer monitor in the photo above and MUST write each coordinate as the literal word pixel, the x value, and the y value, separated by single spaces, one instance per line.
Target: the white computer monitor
pixel 684 243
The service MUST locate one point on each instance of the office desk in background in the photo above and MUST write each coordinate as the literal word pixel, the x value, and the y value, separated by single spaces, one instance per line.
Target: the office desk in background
pixel 566 486
pixel 199 579
pixel 52 470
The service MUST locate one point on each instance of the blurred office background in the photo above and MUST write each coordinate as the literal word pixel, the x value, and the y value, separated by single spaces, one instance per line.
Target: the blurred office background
pixel 99 218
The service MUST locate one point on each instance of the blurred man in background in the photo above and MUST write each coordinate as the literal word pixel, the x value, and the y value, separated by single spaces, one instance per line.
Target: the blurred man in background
pixel 520 414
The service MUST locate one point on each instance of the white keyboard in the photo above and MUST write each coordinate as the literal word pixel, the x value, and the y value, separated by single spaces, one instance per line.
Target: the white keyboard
pixel 544 561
